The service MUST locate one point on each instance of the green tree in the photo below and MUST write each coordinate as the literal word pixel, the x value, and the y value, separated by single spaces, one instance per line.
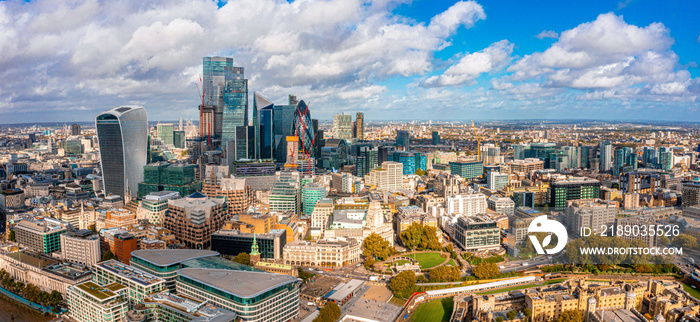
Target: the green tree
pixel 570 316
pixel 376 247
pixel 108 255
pixel 499 319
pixel 304 275
pixel 413 236
pixel 92 227
pixel 486 270
pixel 444 274
pixel 11 235
pixel 421 172
pixel 527 312
pixel 329 313
pixel 403 284
pixel 511 315
pixel 242 258
pixel 685 241
pixel 663 240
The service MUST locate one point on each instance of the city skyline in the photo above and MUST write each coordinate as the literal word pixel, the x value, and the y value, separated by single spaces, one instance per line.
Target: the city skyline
pixel 628 60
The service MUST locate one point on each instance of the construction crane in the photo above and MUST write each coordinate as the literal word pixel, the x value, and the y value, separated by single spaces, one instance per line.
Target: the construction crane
pixel 201 93
pixel 478 143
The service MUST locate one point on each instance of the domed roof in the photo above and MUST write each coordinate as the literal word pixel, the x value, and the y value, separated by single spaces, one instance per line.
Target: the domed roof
pixel 592 300
pixel 630 294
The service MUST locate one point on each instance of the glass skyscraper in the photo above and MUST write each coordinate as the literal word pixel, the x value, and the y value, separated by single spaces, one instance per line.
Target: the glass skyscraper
pixel 302 126
pixel 226 89
pixel 122 134
pixel 282 126
pixel 259 103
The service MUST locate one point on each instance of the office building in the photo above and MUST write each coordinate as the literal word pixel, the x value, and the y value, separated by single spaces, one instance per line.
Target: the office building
pixel 520 221
pixel 44 271
pixel 165 133
pixel 593 214
pixel 41 234
pixel 159 176
pixel 194 218
pixel 11 199
pixel 73 146
pixel 166 262
pixel 360 126
pixel 91 302
pixel 179 139
pixel 233 242
pixel 286 193
pixel 436 138
pixel 632 182
pixel 259 174
pixel 283 126
pixel 691 194
pixel 330 252
pixel 606 155
pixel 154 205
pixel 320 215
pixel 342 126
pixel 75 129
pixel 367 160
pixel 139 283
pixel 562 191
pixel 501 205
pixel 408 215
pixel 403 140
pixel 467 169
pixel 226 89
pixel 81 246
pixel 543 152
pixel 524 199
pixel 253 296
pixel 263 121
pixel 519 151
pixel 477 233
pixel 466 204
pixel 311 193
pixel 165 306
pixel 124 244
pixel 122 134
pixel 241 146
pixel 496 180
pixel 412 161
pixel 388 177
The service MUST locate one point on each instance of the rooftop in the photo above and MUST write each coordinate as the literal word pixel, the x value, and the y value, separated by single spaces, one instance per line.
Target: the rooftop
pixel 130 273
pixel 167 257
pixel 99 292
pixel 241 283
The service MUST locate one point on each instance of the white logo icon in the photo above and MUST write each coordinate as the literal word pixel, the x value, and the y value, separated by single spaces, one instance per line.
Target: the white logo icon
pixel 543 225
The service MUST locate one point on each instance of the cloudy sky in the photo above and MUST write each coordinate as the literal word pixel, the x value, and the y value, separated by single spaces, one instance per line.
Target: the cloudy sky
pixel 394 60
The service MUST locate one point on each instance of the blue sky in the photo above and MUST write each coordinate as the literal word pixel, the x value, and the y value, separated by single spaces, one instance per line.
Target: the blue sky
pixel 392 60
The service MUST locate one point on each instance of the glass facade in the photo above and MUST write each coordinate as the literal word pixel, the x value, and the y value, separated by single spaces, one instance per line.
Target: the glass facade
pixel 303 128
pixel 266 134
pixel 122 134
pixel 235 110
pixel 467 169
pixel 282 125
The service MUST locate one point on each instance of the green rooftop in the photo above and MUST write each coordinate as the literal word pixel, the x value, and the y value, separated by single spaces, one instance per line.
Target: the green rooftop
pixel 99 292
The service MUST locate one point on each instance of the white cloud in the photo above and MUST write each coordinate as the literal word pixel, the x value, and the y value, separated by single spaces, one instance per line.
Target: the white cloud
pixel 111 52
pixel 472 65
pixel 607 56
pixel 547 34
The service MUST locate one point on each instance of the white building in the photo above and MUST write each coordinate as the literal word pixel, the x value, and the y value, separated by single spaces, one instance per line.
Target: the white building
pixel 501 205
pixel 331 252
pixel 91 302
pixel 388 177
pixel 80 246
pixel 466 204
pixel 154 206
pixel 496 180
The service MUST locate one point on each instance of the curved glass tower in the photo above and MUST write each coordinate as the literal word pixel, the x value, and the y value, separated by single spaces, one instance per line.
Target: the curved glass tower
pixel 303 128
pixel 122 133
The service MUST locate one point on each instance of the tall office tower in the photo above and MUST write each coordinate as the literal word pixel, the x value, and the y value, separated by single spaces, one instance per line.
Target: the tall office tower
pixel 304 129
pixel 122 133
pixel 179 139
pixel 75 129
pixel 367 159
pixel 311 193
pixel 226 89
pixel 383 154
pixel 293 99
pixel 216 72
pixel 436 138
pixel 165 133
pixel 318 141
pixel 650 156
pixel 235 105
pixel 519 151
pixel 342 126
pixel 585 156
pixel 282 127
pixel 573 154
pixel 665 159
pixel 360 126
pixel 403 139
pixel 606 155
pixel 262 121
pixel 242 147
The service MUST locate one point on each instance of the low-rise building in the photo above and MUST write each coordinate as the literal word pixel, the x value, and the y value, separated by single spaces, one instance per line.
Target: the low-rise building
pixel 477 233
pixel 154 205
pixel 41 234
pixel 233 242
pixel 595 214
pixel 140 284
pixel 335 252
pixel 45 272
pixel 164 306
pixel 501 205
pixel 91 302
pixel 520 222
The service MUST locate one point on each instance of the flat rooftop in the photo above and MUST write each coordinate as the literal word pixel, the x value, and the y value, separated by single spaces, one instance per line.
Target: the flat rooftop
pixel 130 273
pixel 99 292
pixel 167 257
pixel 241 283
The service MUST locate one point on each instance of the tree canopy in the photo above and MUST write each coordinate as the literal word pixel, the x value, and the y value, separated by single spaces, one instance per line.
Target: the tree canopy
pixel 570 316
pixel 242 258
pixel 108 255
pixel 685 241
pixel 421 237
pixel 444 274
pixel 329 313
pixel 486 270
pixel 376 247
pixel 403 284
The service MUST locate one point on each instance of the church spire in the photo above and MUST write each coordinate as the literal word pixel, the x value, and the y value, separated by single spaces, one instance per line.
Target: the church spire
pixel 254 249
